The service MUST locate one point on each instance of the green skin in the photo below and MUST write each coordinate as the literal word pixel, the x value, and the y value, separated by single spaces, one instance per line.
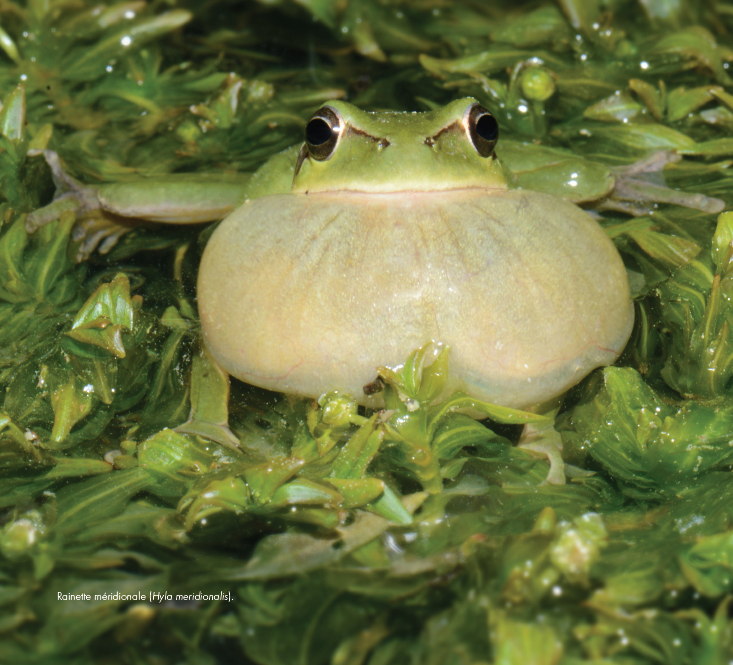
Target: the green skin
pixel 404 235
pixel 387 152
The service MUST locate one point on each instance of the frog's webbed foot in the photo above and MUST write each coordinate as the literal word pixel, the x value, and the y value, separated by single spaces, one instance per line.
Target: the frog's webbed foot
pixel 94 229
pixel 98 233
pixel 640 185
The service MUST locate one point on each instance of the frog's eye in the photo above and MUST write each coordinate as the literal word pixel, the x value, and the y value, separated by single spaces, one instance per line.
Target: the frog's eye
pixel 483 130
pixel 322 133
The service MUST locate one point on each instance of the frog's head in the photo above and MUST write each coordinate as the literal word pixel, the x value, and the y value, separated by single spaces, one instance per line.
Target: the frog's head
pixel 349 149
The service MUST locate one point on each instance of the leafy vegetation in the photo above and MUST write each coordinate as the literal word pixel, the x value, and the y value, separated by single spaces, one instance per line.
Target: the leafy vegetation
pixel 315 531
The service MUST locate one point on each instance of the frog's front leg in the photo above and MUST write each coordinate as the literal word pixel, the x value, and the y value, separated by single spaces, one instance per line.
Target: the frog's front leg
pixel 109 210
pixel 209 401
pixel 544 440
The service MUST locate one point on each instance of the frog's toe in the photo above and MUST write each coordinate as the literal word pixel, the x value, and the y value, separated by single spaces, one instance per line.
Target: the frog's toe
pixel 625 207
pixel 544 441
pixel 639 190
pixel 97 234
pixel 643 183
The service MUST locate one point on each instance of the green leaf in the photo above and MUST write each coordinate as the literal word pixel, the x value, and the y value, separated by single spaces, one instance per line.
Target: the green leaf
pixel 264 479
pixel 357 493
pixel 98 499
pixel 457 431
pixel 12 115
pixel 500 414
pixel 71 402
pixel 520 642
pixel 92 62
pixel 8 45
pixel 110 301
pixel 304 491
pixel 577 547
pixel 293 554
pixel 51 259
pixel 358 452
pixel 619 107
pixel 433 379
pixel 176 460
pixel 645 137
pixel 528 29
pixel 722 249
pixel 619 422
pixel 583 15
pixel 693 47
pixel 209 401
pixel 104 316
pixel 713 148
pixel 220 494
pixel 682 102
pixel 708 565
pixel 671 251
pixel 653 99
pixel 391 507
pixel 13 285
pixel 487 62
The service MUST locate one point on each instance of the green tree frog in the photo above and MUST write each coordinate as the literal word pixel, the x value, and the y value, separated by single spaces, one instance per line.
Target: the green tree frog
pixel 399 229
pixel 384 231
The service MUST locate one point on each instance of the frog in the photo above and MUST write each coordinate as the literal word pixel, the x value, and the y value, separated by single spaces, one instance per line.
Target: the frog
pixel 400 229
pixel 386 230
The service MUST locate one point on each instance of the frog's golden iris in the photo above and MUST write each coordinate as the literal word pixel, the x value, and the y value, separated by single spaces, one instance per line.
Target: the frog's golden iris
pixel 398 230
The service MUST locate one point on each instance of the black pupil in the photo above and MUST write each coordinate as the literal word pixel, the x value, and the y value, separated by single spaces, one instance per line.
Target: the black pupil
pixel 317 132
pixel 487 127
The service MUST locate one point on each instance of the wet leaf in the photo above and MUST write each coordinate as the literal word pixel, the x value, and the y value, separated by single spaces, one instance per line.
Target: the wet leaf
pixel 134 36
pixel 681 102
pixel 647 137
pixel 522 642
pixel 290 554
pixel 105 315
pixel 707 564
pixel 175 460
pixel 690 48
pixel 655 100
pixel 533 28
pixel 12 115
pixel 619 107
pixel 358 452
pixel 265 479
pixel 71 402
pixel 98 499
